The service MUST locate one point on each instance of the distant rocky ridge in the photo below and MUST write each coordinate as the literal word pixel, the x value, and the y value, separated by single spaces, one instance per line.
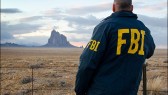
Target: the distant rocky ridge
pixel 12 45
pixel 57 40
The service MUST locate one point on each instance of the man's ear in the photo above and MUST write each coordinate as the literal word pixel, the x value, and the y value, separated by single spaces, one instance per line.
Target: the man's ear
pixel 113 8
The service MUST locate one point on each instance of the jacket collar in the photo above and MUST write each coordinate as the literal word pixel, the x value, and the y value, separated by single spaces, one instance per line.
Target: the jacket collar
pixel 127 14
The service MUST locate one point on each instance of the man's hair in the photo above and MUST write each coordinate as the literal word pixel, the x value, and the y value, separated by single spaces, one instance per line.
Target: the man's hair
pixel 123 4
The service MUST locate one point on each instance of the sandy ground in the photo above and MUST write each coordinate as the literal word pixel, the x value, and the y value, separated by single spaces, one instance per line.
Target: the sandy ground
pixel 50 71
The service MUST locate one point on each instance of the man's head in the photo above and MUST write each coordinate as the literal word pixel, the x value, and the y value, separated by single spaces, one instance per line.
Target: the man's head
pixel 120 5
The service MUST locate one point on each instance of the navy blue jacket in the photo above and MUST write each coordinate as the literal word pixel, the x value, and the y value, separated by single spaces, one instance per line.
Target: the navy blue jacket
pixel 111 63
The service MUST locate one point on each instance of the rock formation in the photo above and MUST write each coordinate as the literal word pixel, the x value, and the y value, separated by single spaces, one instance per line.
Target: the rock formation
pixel 57 40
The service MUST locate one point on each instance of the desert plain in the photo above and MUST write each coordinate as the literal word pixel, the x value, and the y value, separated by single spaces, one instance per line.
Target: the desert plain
pixel 52 71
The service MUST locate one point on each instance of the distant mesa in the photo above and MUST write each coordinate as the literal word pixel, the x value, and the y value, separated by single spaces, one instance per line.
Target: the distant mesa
pixel 58 40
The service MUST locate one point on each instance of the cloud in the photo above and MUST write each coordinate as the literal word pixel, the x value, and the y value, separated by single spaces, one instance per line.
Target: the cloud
pixel 74 37
pixel 8 30
pixel 76 22
pixel 103 7
pixel 156 6
pixel 157 9
pixel 90 9
pixel 160 36
pixel 82 21
pixel 5 34
pixel 53 11
pixel 32 18
pixel 79 35
pixel 83 27
pixel 153 21
pixel 81 10
pixel 10 10
pixel 158 28
pixel 81 30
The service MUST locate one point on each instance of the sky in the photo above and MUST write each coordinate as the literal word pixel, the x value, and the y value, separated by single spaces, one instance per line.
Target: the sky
pixel 30 22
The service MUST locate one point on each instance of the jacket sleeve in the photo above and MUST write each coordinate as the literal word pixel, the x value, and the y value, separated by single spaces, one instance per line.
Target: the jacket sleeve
pixel 90 58
pixel 150 45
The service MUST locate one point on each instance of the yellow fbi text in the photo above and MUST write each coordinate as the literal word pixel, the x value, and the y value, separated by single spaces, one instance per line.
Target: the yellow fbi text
pixel 93 45
pixel 136 36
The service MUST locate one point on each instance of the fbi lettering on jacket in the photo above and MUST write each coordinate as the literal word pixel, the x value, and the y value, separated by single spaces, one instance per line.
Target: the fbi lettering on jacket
pixel 93 45
pixel 135 37
pixel 136 42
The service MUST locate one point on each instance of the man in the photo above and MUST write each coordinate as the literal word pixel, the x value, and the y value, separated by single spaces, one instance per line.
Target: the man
pixel 111 63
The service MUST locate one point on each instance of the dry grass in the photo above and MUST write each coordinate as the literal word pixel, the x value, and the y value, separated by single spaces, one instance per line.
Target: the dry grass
pixel 54 71
pixel 155 86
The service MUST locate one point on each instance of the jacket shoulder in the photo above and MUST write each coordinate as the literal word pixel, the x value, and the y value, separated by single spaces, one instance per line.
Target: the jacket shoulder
pixel 106 24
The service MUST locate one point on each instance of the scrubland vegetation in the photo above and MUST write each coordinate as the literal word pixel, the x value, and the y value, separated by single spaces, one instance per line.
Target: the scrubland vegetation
pixel 49 71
